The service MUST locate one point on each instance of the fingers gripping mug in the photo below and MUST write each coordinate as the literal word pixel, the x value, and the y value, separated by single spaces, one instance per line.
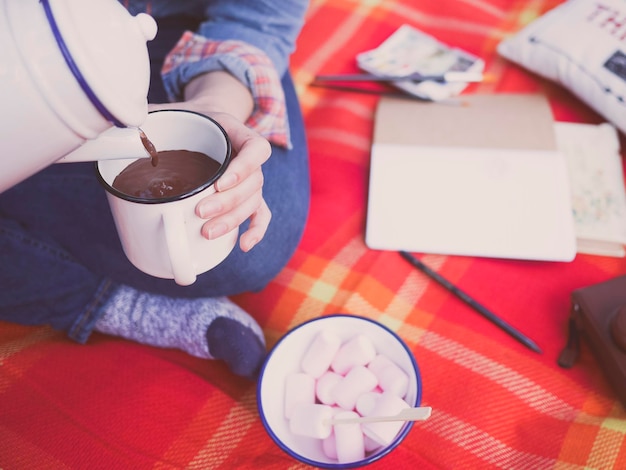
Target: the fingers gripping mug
pixel 161 234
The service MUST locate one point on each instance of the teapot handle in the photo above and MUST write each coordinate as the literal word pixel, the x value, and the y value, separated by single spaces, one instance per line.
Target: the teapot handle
pixel 112 144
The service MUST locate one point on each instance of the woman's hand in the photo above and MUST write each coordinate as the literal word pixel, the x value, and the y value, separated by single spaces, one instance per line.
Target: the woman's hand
pixel 239 191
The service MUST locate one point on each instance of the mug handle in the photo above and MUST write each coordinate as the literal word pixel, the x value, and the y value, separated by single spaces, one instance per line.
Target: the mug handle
pixel 178 246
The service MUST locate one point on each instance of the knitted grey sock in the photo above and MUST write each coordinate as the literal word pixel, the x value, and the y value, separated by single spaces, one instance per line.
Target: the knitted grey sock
pixel 183 324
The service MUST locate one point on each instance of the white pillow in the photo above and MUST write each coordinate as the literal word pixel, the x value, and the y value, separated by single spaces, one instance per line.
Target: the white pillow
pixel 580 44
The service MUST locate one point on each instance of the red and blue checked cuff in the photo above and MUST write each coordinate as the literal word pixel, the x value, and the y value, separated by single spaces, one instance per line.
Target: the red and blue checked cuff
pixel 195 54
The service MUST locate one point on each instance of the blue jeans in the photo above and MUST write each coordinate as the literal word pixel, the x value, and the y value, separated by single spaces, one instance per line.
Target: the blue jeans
pixel 60 256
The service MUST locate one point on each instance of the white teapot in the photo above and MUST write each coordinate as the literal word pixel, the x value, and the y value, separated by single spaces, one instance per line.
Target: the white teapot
pixel 70 71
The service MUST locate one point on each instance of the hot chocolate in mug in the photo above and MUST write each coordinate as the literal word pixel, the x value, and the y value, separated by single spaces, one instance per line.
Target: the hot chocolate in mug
pixel 160 232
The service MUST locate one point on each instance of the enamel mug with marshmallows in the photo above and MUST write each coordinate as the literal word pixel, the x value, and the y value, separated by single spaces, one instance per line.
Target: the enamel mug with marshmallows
pixel 162 236
pixel 69 70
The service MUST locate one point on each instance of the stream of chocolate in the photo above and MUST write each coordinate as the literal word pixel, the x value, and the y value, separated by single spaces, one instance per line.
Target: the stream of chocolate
pixel 150 148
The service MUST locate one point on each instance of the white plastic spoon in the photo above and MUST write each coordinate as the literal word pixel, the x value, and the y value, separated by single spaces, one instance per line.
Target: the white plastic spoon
pixel 408 414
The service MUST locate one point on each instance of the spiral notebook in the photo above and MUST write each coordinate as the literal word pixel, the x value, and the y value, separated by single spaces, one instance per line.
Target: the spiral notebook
pixel 477 177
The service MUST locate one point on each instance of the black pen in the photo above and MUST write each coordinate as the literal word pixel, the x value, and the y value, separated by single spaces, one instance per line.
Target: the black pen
pixel 448 77
pixel 470 301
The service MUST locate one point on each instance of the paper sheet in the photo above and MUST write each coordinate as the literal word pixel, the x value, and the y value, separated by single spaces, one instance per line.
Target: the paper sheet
pixel 597 185
pixel 408 51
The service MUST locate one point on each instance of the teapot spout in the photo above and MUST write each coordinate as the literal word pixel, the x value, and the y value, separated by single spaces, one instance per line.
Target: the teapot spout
pixel 113 144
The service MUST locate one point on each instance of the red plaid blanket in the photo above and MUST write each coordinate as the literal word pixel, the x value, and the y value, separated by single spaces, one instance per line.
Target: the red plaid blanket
pixel 496 404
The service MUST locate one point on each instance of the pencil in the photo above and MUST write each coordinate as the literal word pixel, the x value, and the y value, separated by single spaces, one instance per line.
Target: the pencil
pixel 529 343
pixel 397 94
pixel 448 77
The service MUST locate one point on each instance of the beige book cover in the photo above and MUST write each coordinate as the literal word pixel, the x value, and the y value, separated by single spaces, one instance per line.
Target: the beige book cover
pixel 480 176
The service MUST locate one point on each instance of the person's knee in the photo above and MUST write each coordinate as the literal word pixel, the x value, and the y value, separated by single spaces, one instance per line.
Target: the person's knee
pixel 273 255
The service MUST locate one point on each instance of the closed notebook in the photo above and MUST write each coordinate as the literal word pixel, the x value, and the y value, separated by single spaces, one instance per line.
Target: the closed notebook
pixel 483 178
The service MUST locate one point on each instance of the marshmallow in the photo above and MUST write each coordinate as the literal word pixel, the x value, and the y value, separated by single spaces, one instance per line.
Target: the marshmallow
pixel 320 353
pixel 388 404
pixel 359 351
pixel 370 444
pixel 356 382
pixel 366 402
pixel 299 390
pixel 329 446
pixel 311 420
pixel 349 439
pixel 325 385
pixel 391 377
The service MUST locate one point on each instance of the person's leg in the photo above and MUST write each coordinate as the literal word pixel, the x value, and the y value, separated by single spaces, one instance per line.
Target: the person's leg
pixel 42 283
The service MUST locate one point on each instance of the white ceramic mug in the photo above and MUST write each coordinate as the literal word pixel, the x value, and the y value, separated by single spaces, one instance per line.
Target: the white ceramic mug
pixel 162 237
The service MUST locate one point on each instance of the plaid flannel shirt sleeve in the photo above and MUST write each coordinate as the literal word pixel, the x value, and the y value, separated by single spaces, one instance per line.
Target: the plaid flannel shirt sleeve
pixel 194 54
